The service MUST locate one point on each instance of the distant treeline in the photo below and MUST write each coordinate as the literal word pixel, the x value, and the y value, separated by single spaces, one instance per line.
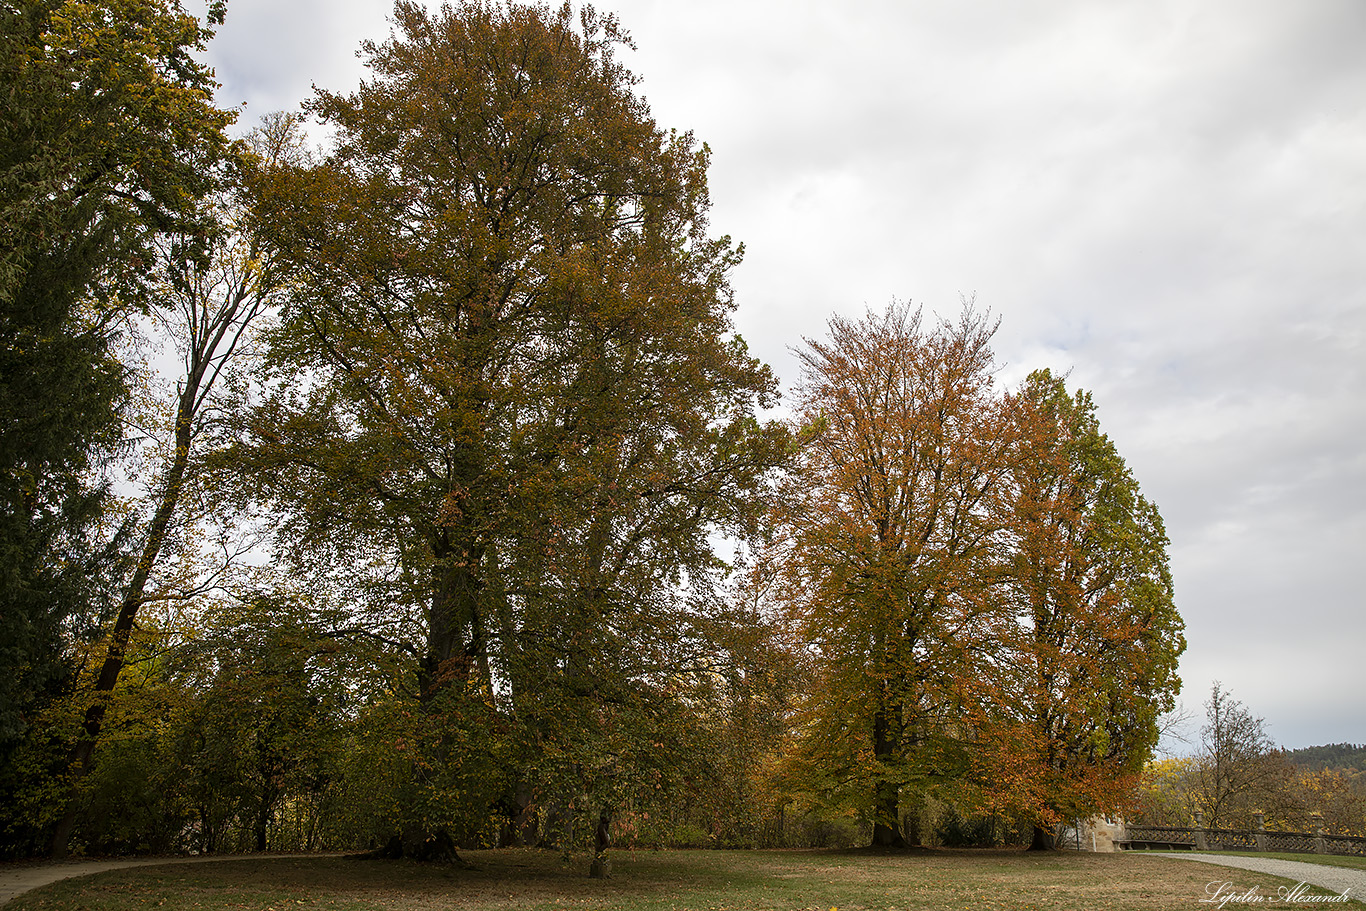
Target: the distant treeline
pixel 1349 757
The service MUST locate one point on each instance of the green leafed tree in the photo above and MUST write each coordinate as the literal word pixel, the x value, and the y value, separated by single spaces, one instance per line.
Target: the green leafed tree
pixel 260 732
pixel 226 732
pixel 508 365
pixel 109 137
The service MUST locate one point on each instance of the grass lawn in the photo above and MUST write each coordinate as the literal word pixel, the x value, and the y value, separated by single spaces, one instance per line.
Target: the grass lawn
pixel 528 880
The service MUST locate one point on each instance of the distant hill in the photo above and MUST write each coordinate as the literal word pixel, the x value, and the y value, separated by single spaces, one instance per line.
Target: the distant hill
pixel 1349 757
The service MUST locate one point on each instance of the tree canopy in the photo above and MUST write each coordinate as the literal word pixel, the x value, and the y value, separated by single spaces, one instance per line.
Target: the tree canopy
pixel 985 591
pixel 528 560
pixel 891 540
pixel 508 360
pixel 1097 637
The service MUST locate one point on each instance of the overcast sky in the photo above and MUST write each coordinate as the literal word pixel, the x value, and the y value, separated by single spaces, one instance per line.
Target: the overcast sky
pixel 1165 197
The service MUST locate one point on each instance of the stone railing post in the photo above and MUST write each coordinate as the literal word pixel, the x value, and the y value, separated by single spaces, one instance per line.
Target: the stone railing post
pixel 1201 842
pixel 1259 823
pixel 1320 843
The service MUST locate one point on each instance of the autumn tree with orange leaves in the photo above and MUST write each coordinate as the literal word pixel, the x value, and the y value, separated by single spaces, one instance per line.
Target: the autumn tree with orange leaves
pixel 983 591
pixel 891 543
pixel 1095 637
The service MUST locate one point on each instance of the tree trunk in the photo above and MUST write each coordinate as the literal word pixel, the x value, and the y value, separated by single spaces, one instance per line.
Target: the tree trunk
pixel 887 794
pixel 1043 839
pixel 78 764
pixel 455 636
pixel 432 847
pixel 208 832
pixel 416 843
pixel 264 811
pixel 260 828
pixel 602 840
pixel 523 825
pixel 455 641
pixel 886 827
pixel 209 330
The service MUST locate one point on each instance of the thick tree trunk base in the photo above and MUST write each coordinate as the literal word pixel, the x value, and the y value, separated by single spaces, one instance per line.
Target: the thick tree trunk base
pixel 523 826
pixel 61 836
pixel 435 848
pixel 885 836
pixel 1043 840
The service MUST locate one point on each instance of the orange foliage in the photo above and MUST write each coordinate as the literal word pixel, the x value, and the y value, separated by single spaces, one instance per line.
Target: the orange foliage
pixel 984 592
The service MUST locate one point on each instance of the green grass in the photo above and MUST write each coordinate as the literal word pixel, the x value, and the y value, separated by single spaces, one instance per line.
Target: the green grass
pixel 527 880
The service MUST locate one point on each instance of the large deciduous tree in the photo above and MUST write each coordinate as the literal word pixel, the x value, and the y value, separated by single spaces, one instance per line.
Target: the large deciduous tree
pixel 1096 637
pixel 891 534
pixel 509 362
pixel 985 591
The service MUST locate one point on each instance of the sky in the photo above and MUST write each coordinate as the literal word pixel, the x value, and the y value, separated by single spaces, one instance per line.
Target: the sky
pixel 1166 198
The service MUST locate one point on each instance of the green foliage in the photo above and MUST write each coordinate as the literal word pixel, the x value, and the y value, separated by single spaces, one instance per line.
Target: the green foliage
pixel 503 421
pixel 33 787
pixel 890 552
pixel 272 688
pixel 374 787
pixel 130 800
pixel 954 830
pixel 109 137
pixel 985 593
pixel 1165 793
pixel 228 737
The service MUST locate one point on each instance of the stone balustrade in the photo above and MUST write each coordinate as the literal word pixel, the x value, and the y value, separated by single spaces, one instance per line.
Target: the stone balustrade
pixel 1200 838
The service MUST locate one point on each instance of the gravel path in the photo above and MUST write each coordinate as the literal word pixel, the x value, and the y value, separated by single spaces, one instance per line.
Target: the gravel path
pixel 16 879
pixel 1343 880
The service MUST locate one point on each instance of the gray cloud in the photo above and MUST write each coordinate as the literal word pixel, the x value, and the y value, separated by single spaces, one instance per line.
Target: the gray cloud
pixel 269 53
